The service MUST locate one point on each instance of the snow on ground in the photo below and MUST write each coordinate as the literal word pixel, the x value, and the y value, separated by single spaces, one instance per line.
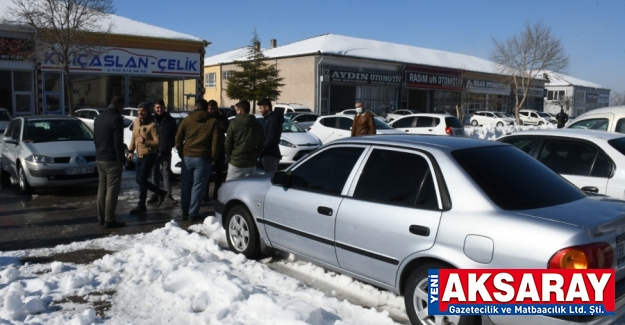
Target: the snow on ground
pixel 491 132
pixel 176 277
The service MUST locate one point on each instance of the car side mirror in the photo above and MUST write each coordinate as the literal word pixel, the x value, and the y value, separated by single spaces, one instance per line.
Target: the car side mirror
pixel 281 178
pixel 10 140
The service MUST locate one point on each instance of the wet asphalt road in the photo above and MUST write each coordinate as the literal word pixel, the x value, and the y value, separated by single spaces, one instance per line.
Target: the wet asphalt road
pixel 65 215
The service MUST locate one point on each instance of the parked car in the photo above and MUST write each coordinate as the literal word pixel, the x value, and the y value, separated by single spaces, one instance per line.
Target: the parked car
pixel 291 107
pixel 494 118
pixel 592 160
pixel 295 142
pixel 353 112
pixel 48 151
pixel 5 118
pixel 88 115
pixel 130 113
pixel 385 209
pixel 331 127
pixel 533 117
pixel 610 119
pixel 390 117
pixel 430 123
pixel 304 120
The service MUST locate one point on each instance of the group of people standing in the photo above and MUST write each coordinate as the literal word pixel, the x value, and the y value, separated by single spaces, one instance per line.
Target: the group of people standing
pixel 204 138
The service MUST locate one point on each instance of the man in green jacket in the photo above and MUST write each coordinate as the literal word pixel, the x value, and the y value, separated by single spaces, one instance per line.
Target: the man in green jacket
pixel 197 142
pixel 244 142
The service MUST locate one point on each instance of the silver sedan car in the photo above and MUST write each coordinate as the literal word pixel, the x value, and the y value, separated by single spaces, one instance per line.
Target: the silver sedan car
pixel 385 209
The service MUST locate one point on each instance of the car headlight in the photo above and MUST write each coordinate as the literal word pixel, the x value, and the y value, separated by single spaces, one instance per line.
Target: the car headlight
pixel 287 143
pixel 40 159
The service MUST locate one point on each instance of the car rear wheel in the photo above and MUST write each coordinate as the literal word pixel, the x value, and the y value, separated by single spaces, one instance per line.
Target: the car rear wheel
pixel 23 181
pixel 520 122
pixel 474 122
pixel 500 124
pixel 416 300
pixel 241 232
pixel 541 123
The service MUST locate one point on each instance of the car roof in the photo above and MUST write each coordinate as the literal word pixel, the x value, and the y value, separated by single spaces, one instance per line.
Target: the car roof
pixel 571 133
pixel 611 109
pixel 420 141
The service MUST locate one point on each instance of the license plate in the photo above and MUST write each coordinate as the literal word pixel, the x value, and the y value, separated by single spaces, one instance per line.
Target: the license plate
pixel 458 132
pixel 79 170
pixel 620 249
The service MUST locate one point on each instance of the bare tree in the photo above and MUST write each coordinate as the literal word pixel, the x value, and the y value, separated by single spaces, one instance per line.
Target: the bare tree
pixel 618 99
pixel 64 29
pixel 565 103
pixel 526 55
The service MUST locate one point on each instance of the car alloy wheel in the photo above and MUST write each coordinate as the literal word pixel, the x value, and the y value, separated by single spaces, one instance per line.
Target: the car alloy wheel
pixel 241 232
pixel 23 181
pixel 420 301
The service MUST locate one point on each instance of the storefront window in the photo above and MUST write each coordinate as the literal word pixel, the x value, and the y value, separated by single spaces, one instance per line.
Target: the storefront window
pixel 23 104
pixel 23 92
pixel 445 102
pixel 178 94
pixel 92 90
pixel 379 100
pixel 52 82
pixel 22 81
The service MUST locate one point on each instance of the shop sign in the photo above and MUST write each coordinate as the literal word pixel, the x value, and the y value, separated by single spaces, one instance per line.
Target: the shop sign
pixel 368 78
pixel 532 92
pixel 130 61
pixel 417 79
pixel 487 87
pixel 603 98
pixel 13 48
pixel 592 97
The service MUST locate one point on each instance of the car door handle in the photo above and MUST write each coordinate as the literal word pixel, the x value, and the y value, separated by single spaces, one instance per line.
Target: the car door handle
pixel 590 189
pixel 419 230
pixel 430 130
pixel 325 211
pixel 406 130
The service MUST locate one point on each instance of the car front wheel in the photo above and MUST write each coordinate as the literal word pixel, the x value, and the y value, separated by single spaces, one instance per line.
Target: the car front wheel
pixel 416 300
pixel 242 233
pixel 474 123
pixel 500 124
pixel 541 123
pixel 23 181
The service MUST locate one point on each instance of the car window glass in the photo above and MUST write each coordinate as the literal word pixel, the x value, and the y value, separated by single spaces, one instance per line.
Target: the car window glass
pixel 524 144
pixel 345 123
pixel 310 118
pixel 620 126
pixel 327 171
pixel 495 169
pixel 602 166
pixel 452 122
pixel 591 124
pixel 398 178
pixel 350 112
pixel 523 113
pixel 425 121
pixel 127 112
pixel 329 122
pixel 534 115
pixel 379 125
pixel 4 115
pixel 8 132
pixel 568 157
pixel 405 122
pixel 17 129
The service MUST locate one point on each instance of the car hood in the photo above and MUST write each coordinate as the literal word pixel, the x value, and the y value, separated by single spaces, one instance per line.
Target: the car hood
pixel 300 138
pixel 62 148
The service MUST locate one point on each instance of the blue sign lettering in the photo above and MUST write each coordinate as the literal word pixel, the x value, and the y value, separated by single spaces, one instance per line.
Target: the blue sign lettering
pixel 109 61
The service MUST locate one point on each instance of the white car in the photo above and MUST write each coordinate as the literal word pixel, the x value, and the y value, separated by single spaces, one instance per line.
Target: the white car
pixel 610 119
pixel 305 120
pixel 332 127
pixel 130 113
pixel 533 117
pixel 353 112
pixel 48 151
pixel 592 160
pixel 430 123
pixel 295 142
pixel 291 107
pixel 400 113
pixel 88 115
pixel 5 118
pixel 493 118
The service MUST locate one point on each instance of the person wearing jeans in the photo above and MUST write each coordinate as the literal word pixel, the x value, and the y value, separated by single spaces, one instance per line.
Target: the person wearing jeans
pixel 197 142
pixel 167 139
pixel 272 129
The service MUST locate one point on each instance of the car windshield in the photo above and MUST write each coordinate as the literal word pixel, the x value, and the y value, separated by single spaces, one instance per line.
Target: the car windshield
pixel 496 171
pixel 4 115
pixel 541 114
pixel 499 114
pixel 57 130
pixel 381 125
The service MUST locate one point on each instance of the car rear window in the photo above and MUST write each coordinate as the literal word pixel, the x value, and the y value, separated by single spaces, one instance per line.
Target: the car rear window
pixel 618 144
pixel 453 122
pixel 496 171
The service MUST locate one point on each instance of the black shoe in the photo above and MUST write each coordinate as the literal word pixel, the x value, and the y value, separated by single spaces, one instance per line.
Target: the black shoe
pixel 138 209
pixel 170 199
pixel 114 224
pixel 101 222
pixel 161 198
pixel 153 199
pixel 185 217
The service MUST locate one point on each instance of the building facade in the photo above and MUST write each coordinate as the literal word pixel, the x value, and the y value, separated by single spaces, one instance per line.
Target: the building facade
pixel 17 81
pixel 574 96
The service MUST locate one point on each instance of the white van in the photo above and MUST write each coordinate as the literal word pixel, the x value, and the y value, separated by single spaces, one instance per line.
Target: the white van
pixel 610 119
pixel 291 107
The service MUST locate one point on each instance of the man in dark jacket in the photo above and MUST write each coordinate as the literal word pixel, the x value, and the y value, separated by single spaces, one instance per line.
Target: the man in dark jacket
pixel 244 142
pixel 162 166
pixel 562 118
pixel 272 129
pixel 108 131
pixel 222 123
pixel 197 142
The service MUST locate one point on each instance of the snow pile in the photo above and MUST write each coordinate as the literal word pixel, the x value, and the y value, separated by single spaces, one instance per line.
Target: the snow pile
pixel 170 276
pixel 491 132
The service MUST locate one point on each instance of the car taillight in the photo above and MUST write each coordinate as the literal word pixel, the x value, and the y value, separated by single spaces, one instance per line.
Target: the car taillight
pixel 448 130
pixel 590 256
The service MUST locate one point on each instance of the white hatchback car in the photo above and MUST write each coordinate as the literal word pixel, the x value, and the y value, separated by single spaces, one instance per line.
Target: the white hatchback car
pixel 533 117
pixel 291 108
pixel 592 160
pixel 493 118
pixel 332 127
pixel 610 119
pixel 430 123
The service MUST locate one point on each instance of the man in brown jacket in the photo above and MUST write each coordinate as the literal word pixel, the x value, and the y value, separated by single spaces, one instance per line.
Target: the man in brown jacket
pixel 145 140
pixel 363 122
pixel 198 143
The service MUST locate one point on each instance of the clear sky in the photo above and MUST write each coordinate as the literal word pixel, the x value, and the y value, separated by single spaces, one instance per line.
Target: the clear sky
pixel 592 32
